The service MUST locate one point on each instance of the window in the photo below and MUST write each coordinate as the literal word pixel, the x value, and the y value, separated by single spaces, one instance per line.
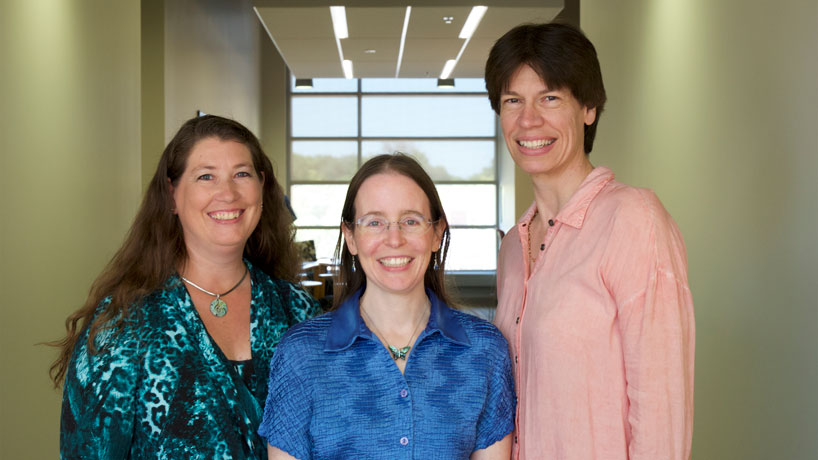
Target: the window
pixel 339 124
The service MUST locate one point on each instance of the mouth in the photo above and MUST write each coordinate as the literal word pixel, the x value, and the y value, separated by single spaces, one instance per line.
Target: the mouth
pixel 536 144
pixel 395 262
pixel 225 215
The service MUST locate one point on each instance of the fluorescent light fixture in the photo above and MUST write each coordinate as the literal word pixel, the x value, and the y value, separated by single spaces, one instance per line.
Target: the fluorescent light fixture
pixel 445 82
pixel 447 69
pixel 303 83
pixel 339 21
pixel 403 39
pixel 347 65
pixel 472 21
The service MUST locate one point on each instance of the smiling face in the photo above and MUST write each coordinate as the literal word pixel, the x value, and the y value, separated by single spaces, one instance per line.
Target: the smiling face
pixel 394 262
pixel 543 128
pixel 218 197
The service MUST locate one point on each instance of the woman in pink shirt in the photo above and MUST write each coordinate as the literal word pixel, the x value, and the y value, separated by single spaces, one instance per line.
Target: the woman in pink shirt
pixel 592 281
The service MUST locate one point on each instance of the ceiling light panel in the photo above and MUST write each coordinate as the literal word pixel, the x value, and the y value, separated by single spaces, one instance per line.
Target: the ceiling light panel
pixel 472 22
pixel 339 21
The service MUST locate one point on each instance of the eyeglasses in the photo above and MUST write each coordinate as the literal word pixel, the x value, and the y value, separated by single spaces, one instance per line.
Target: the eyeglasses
pixel 408 224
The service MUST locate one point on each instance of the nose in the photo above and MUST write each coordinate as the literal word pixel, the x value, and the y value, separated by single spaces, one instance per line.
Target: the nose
pixel 394 235
pixel 227 191
pixel 530 117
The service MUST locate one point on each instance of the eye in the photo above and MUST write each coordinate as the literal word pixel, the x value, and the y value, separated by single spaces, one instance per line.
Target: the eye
pixel 511 100
pixel 373 222
pixel 243 174
pixel 205 177
pixel 550 98
pixel 413 221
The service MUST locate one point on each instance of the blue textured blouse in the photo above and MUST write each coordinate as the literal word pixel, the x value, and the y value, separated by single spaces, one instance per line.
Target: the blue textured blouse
pixel 336 393
pixel 162 389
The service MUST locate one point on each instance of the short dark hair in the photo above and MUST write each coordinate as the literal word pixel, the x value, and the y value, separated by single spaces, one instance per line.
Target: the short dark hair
pixel 399 163
pixel 560 54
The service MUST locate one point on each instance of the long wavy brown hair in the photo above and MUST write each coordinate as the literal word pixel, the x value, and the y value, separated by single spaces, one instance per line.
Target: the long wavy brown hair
pixel 351 279
pixel 154 247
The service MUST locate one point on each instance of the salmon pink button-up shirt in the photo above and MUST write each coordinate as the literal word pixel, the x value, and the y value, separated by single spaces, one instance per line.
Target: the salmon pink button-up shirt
pixel 601 331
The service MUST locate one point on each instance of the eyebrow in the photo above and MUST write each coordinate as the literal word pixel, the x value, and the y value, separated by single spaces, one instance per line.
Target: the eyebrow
pixel 402 213
pixel 513 93
pixel 211 168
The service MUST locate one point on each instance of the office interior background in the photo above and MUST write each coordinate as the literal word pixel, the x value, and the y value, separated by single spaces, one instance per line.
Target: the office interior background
pixel 711 104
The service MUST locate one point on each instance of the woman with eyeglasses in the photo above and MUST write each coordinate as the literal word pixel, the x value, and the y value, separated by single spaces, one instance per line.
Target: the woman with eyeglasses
pixel 392 371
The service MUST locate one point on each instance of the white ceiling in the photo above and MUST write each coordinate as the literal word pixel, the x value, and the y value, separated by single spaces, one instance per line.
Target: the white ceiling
pixel 302 32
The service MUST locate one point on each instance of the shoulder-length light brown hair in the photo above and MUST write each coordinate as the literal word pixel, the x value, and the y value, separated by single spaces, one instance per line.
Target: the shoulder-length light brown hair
pixel 350 280
pixel 154 247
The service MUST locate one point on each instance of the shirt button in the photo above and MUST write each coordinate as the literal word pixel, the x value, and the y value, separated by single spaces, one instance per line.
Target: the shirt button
pixel 404 441
pixel 518 320
pixel 515 359
pixel 551 222
pixel 404 393
pixel 515 439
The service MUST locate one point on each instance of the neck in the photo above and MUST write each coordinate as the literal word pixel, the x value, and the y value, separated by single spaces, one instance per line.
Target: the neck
pixel 552 191
pixel 395 314
pixel 215 272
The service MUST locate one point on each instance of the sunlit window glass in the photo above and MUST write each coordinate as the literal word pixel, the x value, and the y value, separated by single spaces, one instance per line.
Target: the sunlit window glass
pixel 451 132
pixel 426 116
pixel 461 160
pixel 323 160
pixel 317 204
pixel 324 116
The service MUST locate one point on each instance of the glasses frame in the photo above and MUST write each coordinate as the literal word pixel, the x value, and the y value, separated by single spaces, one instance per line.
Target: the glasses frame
pixel 385 229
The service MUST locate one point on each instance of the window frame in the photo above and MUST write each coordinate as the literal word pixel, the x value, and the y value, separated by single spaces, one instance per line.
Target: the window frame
pixel 359 139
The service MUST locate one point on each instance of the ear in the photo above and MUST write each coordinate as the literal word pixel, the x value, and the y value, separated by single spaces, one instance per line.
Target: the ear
pixel 171 190
pixel 590 115
pixel 261 174
pixel 349 238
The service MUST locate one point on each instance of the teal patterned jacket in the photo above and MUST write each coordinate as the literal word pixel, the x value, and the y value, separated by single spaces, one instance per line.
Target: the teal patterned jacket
pixel 162 389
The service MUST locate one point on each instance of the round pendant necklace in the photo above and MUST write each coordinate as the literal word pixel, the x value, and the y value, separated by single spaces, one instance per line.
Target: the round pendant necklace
pixel 218 307
pixel 397 353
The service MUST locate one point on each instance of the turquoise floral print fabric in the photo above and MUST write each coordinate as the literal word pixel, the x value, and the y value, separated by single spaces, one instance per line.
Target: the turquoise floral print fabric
pixel 161 388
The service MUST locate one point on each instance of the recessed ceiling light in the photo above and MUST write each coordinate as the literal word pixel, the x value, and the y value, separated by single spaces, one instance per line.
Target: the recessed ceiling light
pixel 303 83
pixel 370 51
pixel 448 19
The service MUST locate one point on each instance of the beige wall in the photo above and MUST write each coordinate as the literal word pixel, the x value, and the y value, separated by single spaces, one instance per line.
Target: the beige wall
pixel 274 103
pixel 713 105
pixel 90 92
pixel 212 62
pixel 70 153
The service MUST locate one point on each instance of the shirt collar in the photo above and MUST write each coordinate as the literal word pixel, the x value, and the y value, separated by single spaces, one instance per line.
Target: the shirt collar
pixel 573 213
pixel 347 323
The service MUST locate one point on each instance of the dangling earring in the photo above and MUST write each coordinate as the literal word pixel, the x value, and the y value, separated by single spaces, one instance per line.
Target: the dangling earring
pixel 437 266
pixel 353 264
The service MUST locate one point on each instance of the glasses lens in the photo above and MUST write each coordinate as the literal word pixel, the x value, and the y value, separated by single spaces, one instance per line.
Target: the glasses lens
pixel 372 224
pixel 413 224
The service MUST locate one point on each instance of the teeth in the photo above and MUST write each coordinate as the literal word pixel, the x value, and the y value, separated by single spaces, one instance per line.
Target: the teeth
pixel 395 261
pixel 225 215
pixel 538 144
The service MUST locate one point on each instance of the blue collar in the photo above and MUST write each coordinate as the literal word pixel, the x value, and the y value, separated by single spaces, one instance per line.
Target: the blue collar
pixel 347 324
